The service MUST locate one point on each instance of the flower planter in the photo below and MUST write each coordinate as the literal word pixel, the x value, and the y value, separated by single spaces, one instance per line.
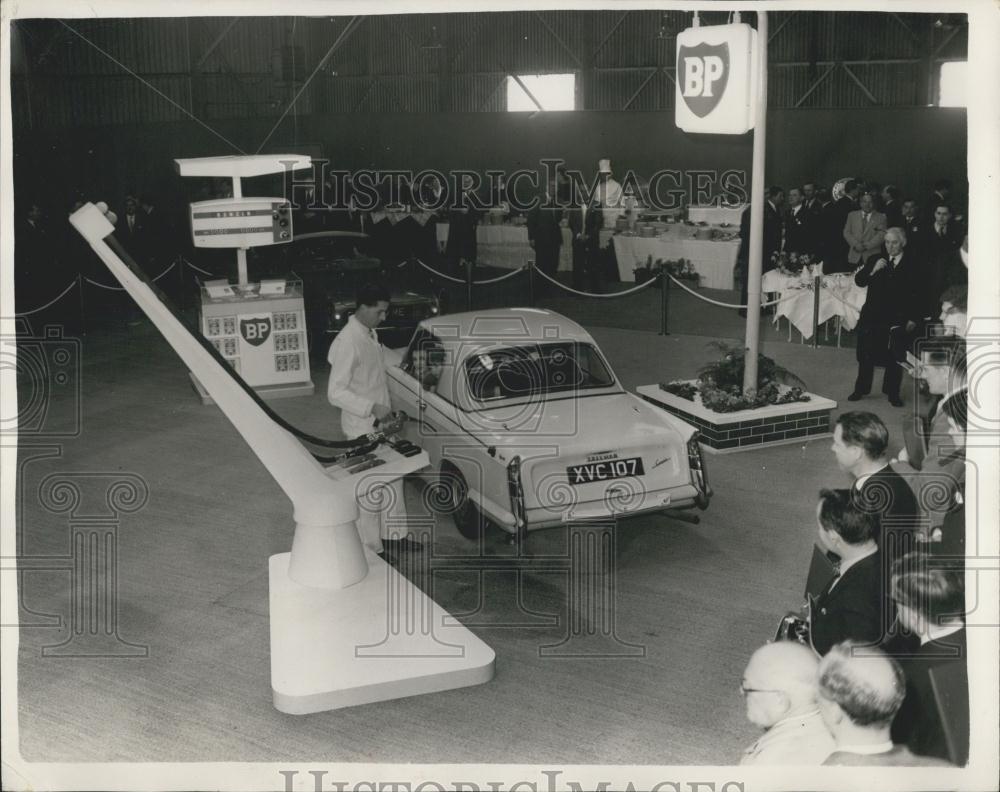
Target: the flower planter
pixel 775 424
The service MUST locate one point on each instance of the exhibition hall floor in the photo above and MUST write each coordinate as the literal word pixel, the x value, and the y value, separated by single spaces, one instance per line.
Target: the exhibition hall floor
pixel 192 589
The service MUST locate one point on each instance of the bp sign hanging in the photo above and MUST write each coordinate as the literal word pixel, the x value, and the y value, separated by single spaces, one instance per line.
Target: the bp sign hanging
pixel 716 89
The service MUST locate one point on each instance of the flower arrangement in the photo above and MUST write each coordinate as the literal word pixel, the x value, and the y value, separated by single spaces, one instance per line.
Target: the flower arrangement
pixel 682 269
pixel 720 383
pixel 792 263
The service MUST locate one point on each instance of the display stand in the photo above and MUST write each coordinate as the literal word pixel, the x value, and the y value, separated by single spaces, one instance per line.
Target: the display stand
pixel 263 337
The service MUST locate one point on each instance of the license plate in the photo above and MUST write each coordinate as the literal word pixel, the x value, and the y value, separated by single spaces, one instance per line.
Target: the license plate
pixel 605 471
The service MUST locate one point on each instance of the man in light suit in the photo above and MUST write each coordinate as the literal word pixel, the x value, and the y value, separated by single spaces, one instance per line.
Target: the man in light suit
pixel 864 231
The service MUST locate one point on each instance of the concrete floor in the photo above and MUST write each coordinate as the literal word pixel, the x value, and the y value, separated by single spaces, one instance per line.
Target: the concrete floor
pixel 192 590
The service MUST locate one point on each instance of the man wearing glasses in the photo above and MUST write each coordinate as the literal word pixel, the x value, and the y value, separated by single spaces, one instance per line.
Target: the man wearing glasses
pixel 779 685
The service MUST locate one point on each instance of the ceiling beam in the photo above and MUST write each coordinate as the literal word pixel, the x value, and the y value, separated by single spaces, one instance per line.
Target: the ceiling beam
pixel 556 36
pixel 861 85
pixel 216 42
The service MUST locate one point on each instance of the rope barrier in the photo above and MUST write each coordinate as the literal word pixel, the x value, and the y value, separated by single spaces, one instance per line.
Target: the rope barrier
pixel 199 269
pixel 727 305
pixel 499 278
pixel 439 274
pixel 119 288
pixel 50 302
pixel 623 293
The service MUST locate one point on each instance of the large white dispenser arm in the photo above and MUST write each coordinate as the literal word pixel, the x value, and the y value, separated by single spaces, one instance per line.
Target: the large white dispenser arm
pixel 335 610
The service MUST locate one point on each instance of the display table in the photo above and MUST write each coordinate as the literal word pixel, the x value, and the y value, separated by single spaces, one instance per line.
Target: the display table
pixel 713 260
pixel 506 245
pixel 838 297
pixel 716 215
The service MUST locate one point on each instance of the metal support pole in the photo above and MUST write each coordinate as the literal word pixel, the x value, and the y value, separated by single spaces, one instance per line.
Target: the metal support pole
pixel 817 285
pixel 531 283
pixel 664 300
pixel 752 345
pixel 468 285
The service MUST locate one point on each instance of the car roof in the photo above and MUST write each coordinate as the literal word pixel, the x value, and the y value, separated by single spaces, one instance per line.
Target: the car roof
pixel 509 326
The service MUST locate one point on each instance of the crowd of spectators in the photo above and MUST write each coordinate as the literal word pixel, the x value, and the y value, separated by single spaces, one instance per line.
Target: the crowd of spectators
pixel 877 654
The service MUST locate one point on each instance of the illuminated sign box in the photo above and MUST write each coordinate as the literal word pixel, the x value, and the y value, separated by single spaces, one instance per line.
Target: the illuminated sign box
pixel 716 85
pixel 241 222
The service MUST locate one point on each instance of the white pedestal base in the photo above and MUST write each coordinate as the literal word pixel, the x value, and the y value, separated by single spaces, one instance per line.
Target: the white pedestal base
pixel 380 639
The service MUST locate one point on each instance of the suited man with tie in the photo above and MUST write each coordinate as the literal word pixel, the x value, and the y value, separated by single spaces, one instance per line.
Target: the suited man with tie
pixel 835 219
pixel 889 315
pixel 930 600
pixel 774 228
pixel 941 243
pixel 890 206
pixel 132 230
pixel 810 198
pixel 800 225
pixel 851 605
pixel 545 234
pixel 864 231
pixel 860 445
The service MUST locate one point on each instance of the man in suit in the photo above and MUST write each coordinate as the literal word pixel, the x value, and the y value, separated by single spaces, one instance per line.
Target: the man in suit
pixel 800 225
pixel 888 317
pixel 131 231
pixel 912 223
pixel 864 231
pixel 930 458
pixel 851 605
pixel 890 206
pixel 585 223
pixel 860 691
pixel 773 238
pixel 942 262
pixel 810 199
pixel 860 445
pixel 779 688
pixel 835 218
pixel 930 599
pixel 545 234
pixel 941 195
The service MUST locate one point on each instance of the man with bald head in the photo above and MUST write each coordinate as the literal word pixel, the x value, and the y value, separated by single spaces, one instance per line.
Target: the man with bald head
pixel 779 685
pixel 860 691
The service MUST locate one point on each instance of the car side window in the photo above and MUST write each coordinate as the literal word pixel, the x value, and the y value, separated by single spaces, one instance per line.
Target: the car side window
pixel 425 360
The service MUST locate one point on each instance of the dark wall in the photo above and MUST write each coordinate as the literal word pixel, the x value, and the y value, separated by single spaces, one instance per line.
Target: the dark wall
pixel 907 146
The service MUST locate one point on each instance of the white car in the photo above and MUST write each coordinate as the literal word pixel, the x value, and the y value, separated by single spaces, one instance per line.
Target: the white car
pixel 529 427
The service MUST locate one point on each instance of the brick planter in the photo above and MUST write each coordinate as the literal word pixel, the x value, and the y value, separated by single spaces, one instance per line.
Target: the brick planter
pixel 775 424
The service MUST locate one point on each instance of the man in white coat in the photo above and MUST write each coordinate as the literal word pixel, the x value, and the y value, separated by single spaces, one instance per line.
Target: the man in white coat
pixel 359 387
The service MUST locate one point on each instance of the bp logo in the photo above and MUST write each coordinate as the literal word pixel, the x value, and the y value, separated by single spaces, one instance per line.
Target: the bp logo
pixel 256 331
pixel 704 74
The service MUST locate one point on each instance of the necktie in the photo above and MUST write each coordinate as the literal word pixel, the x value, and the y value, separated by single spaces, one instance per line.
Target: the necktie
pixel 131 222
pixel 941 232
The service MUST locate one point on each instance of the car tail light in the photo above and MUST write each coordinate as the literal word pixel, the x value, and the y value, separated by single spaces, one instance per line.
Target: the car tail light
pixel 699 474
pixel 516 490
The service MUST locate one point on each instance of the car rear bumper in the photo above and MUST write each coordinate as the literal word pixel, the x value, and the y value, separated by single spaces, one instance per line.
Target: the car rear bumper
pixel 541 517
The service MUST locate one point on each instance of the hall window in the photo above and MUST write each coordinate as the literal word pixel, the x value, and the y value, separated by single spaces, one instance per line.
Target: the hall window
pixel 553 92
pixel 952 83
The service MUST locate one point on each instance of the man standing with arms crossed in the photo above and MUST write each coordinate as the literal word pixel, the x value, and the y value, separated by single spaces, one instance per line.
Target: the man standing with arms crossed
pixel 359 387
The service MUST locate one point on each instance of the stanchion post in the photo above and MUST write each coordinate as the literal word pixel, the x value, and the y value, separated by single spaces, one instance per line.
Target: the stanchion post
pixel 531 283
pixel 468 285
pixel 664 299
pixel 817 285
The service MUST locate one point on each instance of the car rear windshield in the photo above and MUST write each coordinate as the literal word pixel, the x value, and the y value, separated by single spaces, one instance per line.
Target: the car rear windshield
pixel 516 372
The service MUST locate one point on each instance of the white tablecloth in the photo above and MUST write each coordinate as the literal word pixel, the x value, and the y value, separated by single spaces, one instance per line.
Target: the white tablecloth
pixel 716 215
pixel 507 245
pixel 713 260
pixel 839 296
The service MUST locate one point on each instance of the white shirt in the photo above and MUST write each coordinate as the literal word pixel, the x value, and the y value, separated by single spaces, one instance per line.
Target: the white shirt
pixel 860 480
pixel 799 739
pixel 934 632
pixel 357 377
pixel 872 748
